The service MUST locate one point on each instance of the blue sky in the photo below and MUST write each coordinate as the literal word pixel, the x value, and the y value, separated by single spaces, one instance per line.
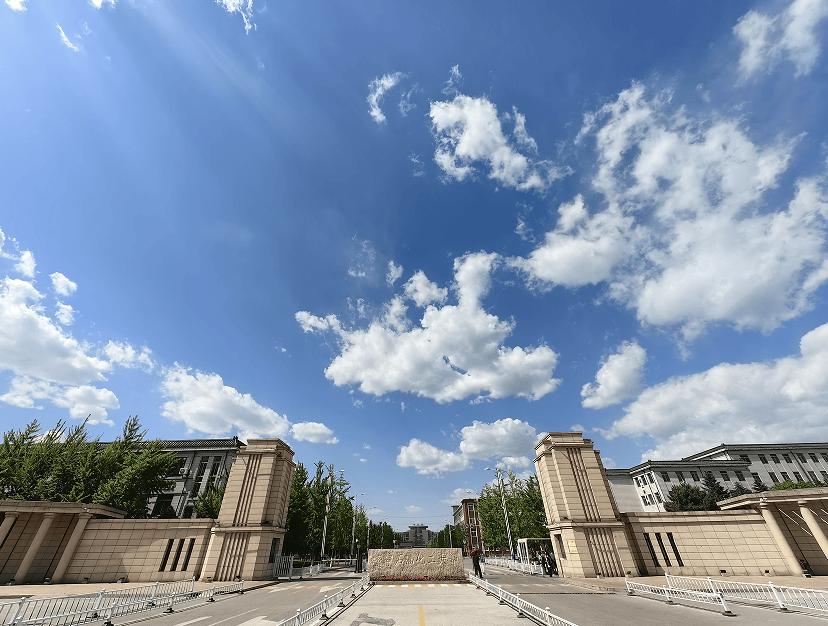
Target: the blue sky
pixel 409 238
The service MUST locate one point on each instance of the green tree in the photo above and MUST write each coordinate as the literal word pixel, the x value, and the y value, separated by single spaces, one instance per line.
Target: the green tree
pixel 789 484
pixel 65 465
pixel 758 486
pixel 739 490
pixel 684 497
pixel 713 492
pixel 208 504
pixel 527 517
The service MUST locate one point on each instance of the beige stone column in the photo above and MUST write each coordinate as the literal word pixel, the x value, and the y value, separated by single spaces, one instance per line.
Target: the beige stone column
pixel 21 572
pixel 5 527
pixel 779 537
pixel 69 551
pixel 813 525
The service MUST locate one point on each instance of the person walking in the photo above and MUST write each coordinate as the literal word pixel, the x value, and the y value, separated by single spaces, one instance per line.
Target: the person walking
pixel 543 562
pixel 476 561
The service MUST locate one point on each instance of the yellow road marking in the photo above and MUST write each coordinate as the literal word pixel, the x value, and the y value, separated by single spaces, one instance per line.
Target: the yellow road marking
pixel 422 616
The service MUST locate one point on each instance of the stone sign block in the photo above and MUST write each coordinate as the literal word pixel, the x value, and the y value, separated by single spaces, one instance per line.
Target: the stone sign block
pixel 416 564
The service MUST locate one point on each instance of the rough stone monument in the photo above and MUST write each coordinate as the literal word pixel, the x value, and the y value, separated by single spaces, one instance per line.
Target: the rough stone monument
pixel 416 564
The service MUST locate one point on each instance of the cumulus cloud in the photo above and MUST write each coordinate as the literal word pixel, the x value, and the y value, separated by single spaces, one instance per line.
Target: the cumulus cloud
pixel 684 236
pixel 413 509
pixel 26 264
pixel 62 285
pixel 455 352
pixel 82 401
pixel 452 85
pixel 468 130
pixel 203 402
pixel 420 289
pixel 789 35
pixel 507 439
pixel 66 41
pixel 618 379
pixel 313 431
pixel 242 7
pixel 394 273
pixel 428 459
pixel 125 355
pixel 16 5
pixel 99 3
pixel 456 496
pixel 377 89
pixel 763 402
pixel 65 314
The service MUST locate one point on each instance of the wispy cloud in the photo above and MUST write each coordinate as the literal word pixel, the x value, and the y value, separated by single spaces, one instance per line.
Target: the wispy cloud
pixel 243 8
pixel 377 89
pixel 65 39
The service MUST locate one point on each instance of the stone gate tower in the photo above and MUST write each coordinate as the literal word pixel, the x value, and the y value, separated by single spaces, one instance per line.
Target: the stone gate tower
pixel 585 526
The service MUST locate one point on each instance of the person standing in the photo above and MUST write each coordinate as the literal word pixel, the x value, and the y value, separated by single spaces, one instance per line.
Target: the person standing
pixel 476 561
pixel 543 562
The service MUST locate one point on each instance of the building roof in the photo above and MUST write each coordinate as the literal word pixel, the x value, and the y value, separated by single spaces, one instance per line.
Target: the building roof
pixel 684 464
pixel 757 447
pixel 233 443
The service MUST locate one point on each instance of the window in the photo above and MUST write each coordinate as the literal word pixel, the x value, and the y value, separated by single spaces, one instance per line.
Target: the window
pixel 188 555
pixel 644 500
pixel 166 555
pixel 739 476
pixel 665 477
pixel 763 459
pixel 694 476
pixel 801 457
pixel 774 458
pixel 755 477
pixel 824 476
pixel 177 555
pixel 813 457
pixel 785 476
pixel 773 477
pixel 725 477
pixel 812 476
pixel 649 547
pixel 787 458
pixel 471 506
pixel 651 478
pixel 663 551
pixel 675 549
pixel 824 457
pixel 188 512
pixel 637 482
pixel 162 503
pixel 658 497
pixel 176 468
pixel 745 458
pixel 680 476
pixel 798 477
pixel 473 531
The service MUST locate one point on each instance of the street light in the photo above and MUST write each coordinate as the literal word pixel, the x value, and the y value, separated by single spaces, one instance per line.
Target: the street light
pixel 353 527
pixel 499 473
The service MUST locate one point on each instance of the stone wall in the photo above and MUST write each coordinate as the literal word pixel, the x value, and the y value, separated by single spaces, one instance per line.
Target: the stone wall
pixel 416 564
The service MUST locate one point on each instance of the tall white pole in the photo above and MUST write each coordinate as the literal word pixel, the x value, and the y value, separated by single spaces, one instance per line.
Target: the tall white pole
pixel 325 524
pixel 505 511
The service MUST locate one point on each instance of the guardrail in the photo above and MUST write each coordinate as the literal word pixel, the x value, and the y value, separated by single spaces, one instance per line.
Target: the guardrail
pixel 767 593
pixel 671 594
pixel 321 608
pixel 69 610
pixel 523 607
pixel 310 570
pixel 526 568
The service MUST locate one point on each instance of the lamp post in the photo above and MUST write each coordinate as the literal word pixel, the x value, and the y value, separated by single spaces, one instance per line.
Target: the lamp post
pixel 499 473
pixel 353 527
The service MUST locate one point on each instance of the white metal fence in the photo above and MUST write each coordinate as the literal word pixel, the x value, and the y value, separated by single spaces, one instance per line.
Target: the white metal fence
pixel 526 568
pixel 671 594
pixel 105 605
pixel 321 608
pixel 764 593
pixel 523 607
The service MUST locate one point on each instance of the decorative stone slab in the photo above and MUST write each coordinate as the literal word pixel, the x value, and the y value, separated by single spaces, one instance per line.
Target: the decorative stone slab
pixel 416 564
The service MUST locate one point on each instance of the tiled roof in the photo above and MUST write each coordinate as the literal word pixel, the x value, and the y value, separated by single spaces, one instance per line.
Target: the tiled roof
pixel 194 444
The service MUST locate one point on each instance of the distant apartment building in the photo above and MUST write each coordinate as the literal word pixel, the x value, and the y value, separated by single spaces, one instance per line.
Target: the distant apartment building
pixel 417 536
pixel 645 486
pixel 467 516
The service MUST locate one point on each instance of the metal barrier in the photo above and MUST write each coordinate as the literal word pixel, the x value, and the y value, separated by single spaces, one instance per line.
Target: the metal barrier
pixel 105 605
pixel 310 570
pixel 526 568
pixel 671 594
pixel 523 607
pixel 767 593
pixel 321 608
pixel 283 566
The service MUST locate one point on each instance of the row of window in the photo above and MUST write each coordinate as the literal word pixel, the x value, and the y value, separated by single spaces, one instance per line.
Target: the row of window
pixel 649 500
pixel 787 457
pixel 740 477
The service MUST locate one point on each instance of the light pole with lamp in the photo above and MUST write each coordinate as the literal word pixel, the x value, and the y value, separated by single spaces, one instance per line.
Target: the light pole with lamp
pixel 499 473
pixel 353 527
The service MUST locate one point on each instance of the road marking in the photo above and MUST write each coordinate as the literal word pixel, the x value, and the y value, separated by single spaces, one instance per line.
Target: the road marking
pixel 193 621
pixel 422 616
pixel 280 588
pixel 234 617
pixel 329 587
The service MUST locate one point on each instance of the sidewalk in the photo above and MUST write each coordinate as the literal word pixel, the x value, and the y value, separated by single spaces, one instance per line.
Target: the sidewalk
pixel 15 592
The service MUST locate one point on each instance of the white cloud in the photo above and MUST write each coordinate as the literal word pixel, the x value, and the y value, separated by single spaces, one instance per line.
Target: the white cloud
pixel 26 265
pixel 618 378
pixel 99 3
pixel 123 354
pixel 66 41
pixel 423 291
pixel 685 237
pixel 509 439
pixel 363 460
pixel 763 402
pixel 413 509
pixel 468 130
pixel 242 7
pixel 377 89
pixel 394 273
pixel 451 86
pixel 457 350
pixel 363 258
pixel 16 5
pixel 204 403
pixel 427 459
pixel 62 285
pixel 366 446
pixel 457 495
pixel 608 462
pixel 504 437
pixel 405 104
pixel 82 401
pixel 789 35
pixel 65 314
pixel 313 431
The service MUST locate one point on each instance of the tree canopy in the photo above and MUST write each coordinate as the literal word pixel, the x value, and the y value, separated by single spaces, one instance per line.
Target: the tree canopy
pixel 65 465
pixel 527 517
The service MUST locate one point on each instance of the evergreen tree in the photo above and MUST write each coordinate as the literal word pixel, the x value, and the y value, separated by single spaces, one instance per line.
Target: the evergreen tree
pixel 739 490
pixel 758 486
pixel 713 492
pixel 684 497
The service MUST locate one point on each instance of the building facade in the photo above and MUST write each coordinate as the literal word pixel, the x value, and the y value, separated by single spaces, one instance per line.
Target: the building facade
pixel 417 536
pixel 467 517
pixel 598 526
